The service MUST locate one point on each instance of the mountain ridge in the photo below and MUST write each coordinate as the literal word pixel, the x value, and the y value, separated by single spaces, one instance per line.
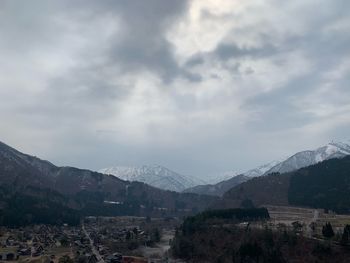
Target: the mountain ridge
pixel 309 157
pixel 79 191
pixel 296 161
pixel 155 175
pixel 322 185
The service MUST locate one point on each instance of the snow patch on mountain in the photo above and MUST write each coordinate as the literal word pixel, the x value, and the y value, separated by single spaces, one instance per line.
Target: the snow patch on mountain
pixel 310 157
pixel 154 175
pixel 295 162
pixel 258 171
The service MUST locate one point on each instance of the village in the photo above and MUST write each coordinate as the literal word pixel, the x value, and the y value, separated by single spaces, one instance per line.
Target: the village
pixel 134 239
pixel 96 239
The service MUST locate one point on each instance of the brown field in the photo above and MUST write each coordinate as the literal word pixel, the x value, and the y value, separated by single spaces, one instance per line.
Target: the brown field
pixel 286 215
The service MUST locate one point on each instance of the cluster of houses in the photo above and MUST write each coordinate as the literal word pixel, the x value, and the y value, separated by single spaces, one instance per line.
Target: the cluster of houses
pixel 29 242
pixel 108 241
pixel 124 235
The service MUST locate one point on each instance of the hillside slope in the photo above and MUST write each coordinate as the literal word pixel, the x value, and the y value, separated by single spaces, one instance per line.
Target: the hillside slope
pixel 270 189
pixel 220 188
pixel 284 165
pixel 322 185
pixel 63 190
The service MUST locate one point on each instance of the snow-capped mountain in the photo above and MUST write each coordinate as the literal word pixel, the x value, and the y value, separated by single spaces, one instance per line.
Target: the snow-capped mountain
pixel 258 171
pixel 307 158
pixel 223 182
pixel 155 175
pixel 295 162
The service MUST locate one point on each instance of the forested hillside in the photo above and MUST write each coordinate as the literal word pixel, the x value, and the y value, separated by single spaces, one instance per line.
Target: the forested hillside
pixel 35 191
pixel 323 185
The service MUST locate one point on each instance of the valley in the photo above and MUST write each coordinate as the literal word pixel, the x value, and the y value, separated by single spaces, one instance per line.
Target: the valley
pixel 65 214
pixel 174 131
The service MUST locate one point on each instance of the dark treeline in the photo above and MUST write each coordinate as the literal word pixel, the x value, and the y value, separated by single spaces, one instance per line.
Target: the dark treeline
pixel 195 223
pixel 239 214
pixel 35 206
pixel 32 205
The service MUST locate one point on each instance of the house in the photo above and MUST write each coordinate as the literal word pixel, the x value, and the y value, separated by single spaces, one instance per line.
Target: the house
pixel 38 251
pixel 24 252
pixel 114 258
pixel 10 241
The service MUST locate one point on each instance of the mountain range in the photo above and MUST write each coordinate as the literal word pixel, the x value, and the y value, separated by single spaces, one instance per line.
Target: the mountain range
pixel 293 163
pixel 322 185
pixel 36 191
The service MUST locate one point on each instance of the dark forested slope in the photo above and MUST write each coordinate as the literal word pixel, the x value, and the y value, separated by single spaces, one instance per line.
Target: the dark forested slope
pixel 47 191
pixel 323 185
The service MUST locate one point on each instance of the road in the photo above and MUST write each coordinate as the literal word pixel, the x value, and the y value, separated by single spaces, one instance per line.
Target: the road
pixel 93 249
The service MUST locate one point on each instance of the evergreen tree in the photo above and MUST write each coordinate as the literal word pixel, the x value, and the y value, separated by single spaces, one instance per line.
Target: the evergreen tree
pixel 327 230
pixel 346 235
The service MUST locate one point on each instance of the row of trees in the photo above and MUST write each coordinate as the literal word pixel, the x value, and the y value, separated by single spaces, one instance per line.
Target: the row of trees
pixel 328 233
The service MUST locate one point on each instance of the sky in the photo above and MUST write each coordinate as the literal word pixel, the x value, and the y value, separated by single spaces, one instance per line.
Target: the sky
pixel 200 86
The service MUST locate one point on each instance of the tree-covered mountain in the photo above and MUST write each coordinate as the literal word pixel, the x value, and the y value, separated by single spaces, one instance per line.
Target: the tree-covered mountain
pixel 322 185
pixel 264 190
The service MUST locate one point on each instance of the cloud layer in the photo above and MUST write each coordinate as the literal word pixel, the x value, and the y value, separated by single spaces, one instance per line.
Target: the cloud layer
pixel 198 86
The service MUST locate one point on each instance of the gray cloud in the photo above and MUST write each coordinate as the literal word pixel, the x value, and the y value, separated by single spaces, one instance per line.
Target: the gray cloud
pixel 141 44
pixel 326 51
pixel 198 86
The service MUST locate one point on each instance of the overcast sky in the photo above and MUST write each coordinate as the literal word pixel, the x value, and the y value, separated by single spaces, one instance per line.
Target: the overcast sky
pixel 200 86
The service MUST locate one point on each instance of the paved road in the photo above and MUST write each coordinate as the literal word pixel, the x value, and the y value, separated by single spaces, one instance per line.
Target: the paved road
pixel 94 250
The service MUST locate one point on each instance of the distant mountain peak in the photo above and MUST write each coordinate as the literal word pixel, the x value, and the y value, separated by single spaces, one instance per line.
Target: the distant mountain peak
pixel 283 165
pixel 155 175
pixel 310 157
pixel 262 169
